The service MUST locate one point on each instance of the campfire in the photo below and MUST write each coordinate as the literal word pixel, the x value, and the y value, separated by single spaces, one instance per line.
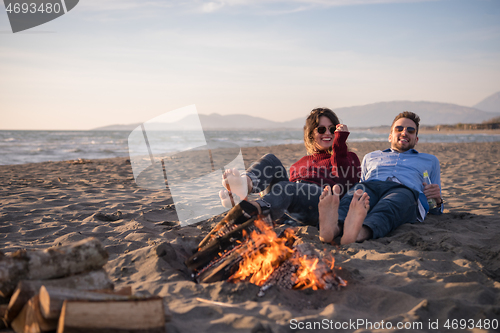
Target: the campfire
pixel 254 253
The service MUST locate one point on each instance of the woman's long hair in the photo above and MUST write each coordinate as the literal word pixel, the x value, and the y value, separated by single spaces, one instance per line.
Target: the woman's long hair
pixel 312 122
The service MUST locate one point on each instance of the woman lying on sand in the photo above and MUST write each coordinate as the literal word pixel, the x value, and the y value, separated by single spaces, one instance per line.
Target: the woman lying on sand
pixel 329 162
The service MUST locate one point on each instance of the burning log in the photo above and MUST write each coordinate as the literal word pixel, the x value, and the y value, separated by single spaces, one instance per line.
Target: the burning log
pixel 224 241
pixel 239 215
pixel 262 258
pixel 215 265
pixel 223 267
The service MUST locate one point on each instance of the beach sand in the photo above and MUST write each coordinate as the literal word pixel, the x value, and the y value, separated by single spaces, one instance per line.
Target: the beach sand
pixel 446 268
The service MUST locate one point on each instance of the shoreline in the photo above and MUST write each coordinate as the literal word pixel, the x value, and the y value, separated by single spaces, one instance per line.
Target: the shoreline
pixel 20 150
pixel 382 144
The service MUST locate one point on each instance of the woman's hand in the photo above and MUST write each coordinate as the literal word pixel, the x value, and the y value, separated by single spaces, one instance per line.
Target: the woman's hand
pixel 341 128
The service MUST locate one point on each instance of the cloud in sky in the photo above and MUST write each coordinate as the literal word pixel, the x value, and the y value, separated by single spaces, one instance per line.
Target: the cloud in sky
pixel 296 5
pixel 217 5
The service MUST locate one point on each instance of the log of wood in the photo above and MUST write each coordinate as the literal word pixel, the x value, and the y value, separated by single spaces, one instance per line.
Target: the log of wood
pixel 9 269
pixel 211 251
pixel 235 217
pixel 52 299
pixel 31 320
pixel 3 312
pixel 26 289
pixel 55 262
pixel 221 267
pixel 125 291
pixel 134 316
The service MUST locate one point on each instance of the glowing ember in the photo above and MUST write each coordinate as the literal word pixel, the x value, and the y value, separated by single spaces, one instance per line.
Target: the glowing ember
pixel 262 260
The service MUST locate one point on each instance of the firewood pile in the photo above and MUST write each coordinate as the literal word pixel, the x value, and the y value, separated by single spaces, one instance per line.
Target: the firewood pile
pixel 65 290
pixel 253 252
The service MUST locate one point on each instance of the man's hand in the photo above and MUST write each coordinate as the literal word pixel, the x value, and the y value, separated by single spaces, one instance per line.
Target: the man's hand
pixel 432 191
pixel 341 128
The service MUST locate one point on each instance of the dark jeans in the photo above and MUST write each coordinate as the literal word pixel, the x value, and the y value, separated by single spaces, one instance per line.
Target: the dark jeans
pixel 269 176
pixel 391 205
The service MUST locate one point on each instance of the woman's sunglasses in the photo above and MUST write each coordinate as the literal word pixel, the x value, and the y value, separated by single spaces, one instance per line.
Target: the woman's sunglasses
pixel 322 129
pixel 410 130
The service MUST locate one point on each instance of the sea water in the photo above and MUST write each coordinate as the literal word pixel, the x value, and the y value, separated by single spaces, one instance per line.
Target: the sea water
pixel 19 147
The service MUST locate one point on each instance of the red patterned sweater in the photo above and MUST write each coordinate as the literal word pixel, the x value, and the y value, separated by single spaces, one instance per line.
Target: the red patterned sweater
pixel 341 167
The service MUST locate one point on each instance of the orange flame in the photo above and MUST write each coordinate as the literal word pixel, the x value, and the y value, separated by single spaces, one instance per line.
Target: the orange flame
pixel 266 251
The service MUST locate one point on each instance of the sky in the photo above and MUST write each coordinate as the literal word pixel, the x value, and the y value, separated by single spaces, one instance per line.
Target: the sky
pixel 126 61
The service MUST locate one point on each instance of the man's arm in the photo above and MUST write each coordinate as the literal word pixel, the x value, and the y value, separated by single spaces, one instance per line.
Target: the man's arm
pixel 433 191
pixel 363 170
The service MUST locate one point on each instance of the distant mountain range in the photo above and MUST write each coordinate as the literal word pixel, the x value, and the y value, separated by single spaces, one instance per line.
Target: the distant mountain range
pixel 371 115
pixel 490 104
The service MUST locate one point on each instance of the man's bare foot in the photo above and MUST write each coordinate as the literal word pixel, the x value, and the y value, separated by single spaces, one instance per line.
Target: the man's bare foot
pixel 328 208
pixel 360 204
pixel 236 183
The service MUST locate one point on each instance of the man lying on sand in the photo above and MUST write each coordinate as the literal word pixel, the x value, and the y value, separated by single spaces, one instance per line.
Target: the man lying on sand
pixel 392 190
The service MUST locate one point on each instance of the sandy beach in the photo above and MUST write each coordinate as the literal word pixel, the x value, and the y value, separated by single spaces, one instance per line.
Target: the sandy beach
pixel 424 275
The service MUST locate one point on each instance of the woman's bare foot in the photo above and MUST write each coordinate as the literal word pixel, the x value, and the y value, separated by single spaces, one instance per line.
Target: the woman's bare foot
pixel 328 208
pixel 360 204
pixel 227 199
pixel 236 183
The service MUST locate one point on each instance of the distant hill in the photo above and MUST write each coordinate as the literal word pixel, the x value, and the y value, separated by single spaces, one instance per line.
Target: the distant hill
pixel 490 103
pixel 431 113
pixel 213 121
pixel 371 115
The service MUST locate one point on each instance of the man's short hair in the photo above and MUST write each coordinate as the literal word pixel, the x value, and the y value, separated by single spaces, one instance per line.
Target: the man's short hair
pixel 408 115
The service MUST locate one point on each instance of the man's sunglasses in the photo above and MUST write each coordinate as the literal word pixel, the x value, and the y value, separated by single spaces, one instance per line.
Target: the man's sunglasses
pixel 410 130
pixel 322 129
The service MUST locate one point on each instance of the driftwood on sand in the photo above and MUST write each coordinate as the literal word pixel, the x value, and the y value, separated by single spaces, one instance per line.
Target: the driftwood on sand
pixel 134 316
pixel 26 289
pixel 30 319
pixel 52 299
pixel 55 262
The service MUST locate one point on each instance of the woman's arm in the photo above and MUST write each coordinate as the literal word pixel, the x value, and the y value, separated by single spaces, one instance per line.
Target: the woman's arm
pixel 345 164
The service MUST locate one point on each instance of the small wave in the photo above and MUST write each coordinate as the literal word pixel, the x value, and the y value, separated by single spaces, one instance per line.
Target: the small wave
pixel 38 150
pixel 252 139
pixel 73 150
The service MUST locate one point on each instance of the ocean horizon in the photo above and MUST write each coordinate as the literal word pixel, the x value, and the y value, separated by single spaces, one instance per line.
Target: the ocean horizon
pixel 34 146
